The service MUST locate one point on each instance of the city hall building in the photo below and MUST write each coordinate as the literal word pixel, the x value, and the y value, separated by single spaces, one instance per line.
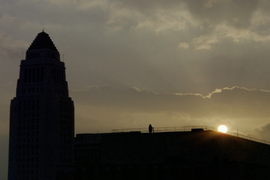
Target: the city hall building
pixel 41 116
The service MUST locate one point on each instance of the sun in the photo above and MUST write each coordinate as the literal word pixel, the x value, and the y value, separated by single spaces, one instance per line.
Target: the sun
pixel 222 128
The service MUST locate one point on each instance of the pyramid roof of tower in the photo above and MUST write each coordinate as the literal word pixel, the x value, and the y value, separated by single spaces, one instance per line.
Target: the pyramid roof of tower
pixel 42 41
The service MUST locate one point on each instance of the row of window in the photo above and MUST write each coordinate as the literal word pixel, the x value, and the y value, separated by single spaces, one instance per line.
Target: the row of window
pixel 28 146
pixel 28 140
pixel 36 75
pixel 28 134
pixel 60 91
pixel 48 55
pixel 28 174
pixel 28 153
pixel 27 178
pixel 31 107
pixel 28 127
pixel 32 75
pixel 28 115
pixel 58 76
pixel 27 160
pixel 29 121
pixel 86 152
pixel 29 102
pixel 32 90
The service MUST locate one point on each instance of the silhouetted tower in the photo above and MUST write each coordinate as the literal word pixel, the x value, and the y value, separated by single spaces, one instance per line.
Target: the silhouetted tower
pixel 41 116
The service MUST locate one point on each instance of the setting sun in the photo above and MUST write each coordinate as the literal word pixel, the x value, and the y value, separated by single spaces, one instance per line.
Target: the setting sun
pixel 222 128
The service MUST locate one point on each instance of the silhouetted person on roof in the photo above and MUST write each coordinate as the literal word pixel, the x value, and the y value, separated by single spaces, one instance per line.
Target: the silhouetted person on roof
pixel 150 128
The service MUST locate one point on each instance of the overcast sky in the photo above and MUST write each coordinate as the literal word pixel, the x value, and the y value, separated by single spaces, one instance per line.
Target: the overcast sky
pixel 130 63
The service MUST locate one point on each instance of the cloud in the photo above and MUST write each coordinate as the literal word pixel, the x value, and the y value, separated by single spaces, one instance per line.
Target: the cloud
pixel 9 47
pixel 236 13
pixel 136 43
pixel 183 45
pixel 148 35
pixel 239 108
pixel 205 13
pixel 264 132
pixel 228 102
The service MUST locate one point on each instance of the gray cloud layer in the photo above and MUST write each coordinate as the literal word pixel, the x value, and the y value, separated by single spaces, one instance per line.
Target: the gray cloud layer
pixel 172 46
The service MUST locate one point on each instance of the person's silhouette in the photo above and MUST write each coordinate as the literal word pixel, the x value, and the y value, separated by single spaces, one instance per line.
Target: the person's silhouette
pixel 150 128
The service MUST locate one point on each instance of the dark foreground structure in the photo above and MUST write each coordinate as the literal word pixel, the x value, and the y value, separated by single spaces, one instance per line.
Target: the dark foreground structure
pixel 196 154
pixel 41 116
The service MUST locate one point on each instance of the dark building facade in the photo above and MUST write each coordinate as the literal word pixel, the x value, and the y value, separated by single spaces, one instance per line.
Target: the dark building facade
pixel 197 154
pixel 41 116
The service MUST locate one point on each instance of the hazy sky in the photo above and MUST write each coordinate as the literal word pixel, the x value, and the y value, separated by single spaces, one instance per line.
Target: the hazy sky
pixel 135 62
